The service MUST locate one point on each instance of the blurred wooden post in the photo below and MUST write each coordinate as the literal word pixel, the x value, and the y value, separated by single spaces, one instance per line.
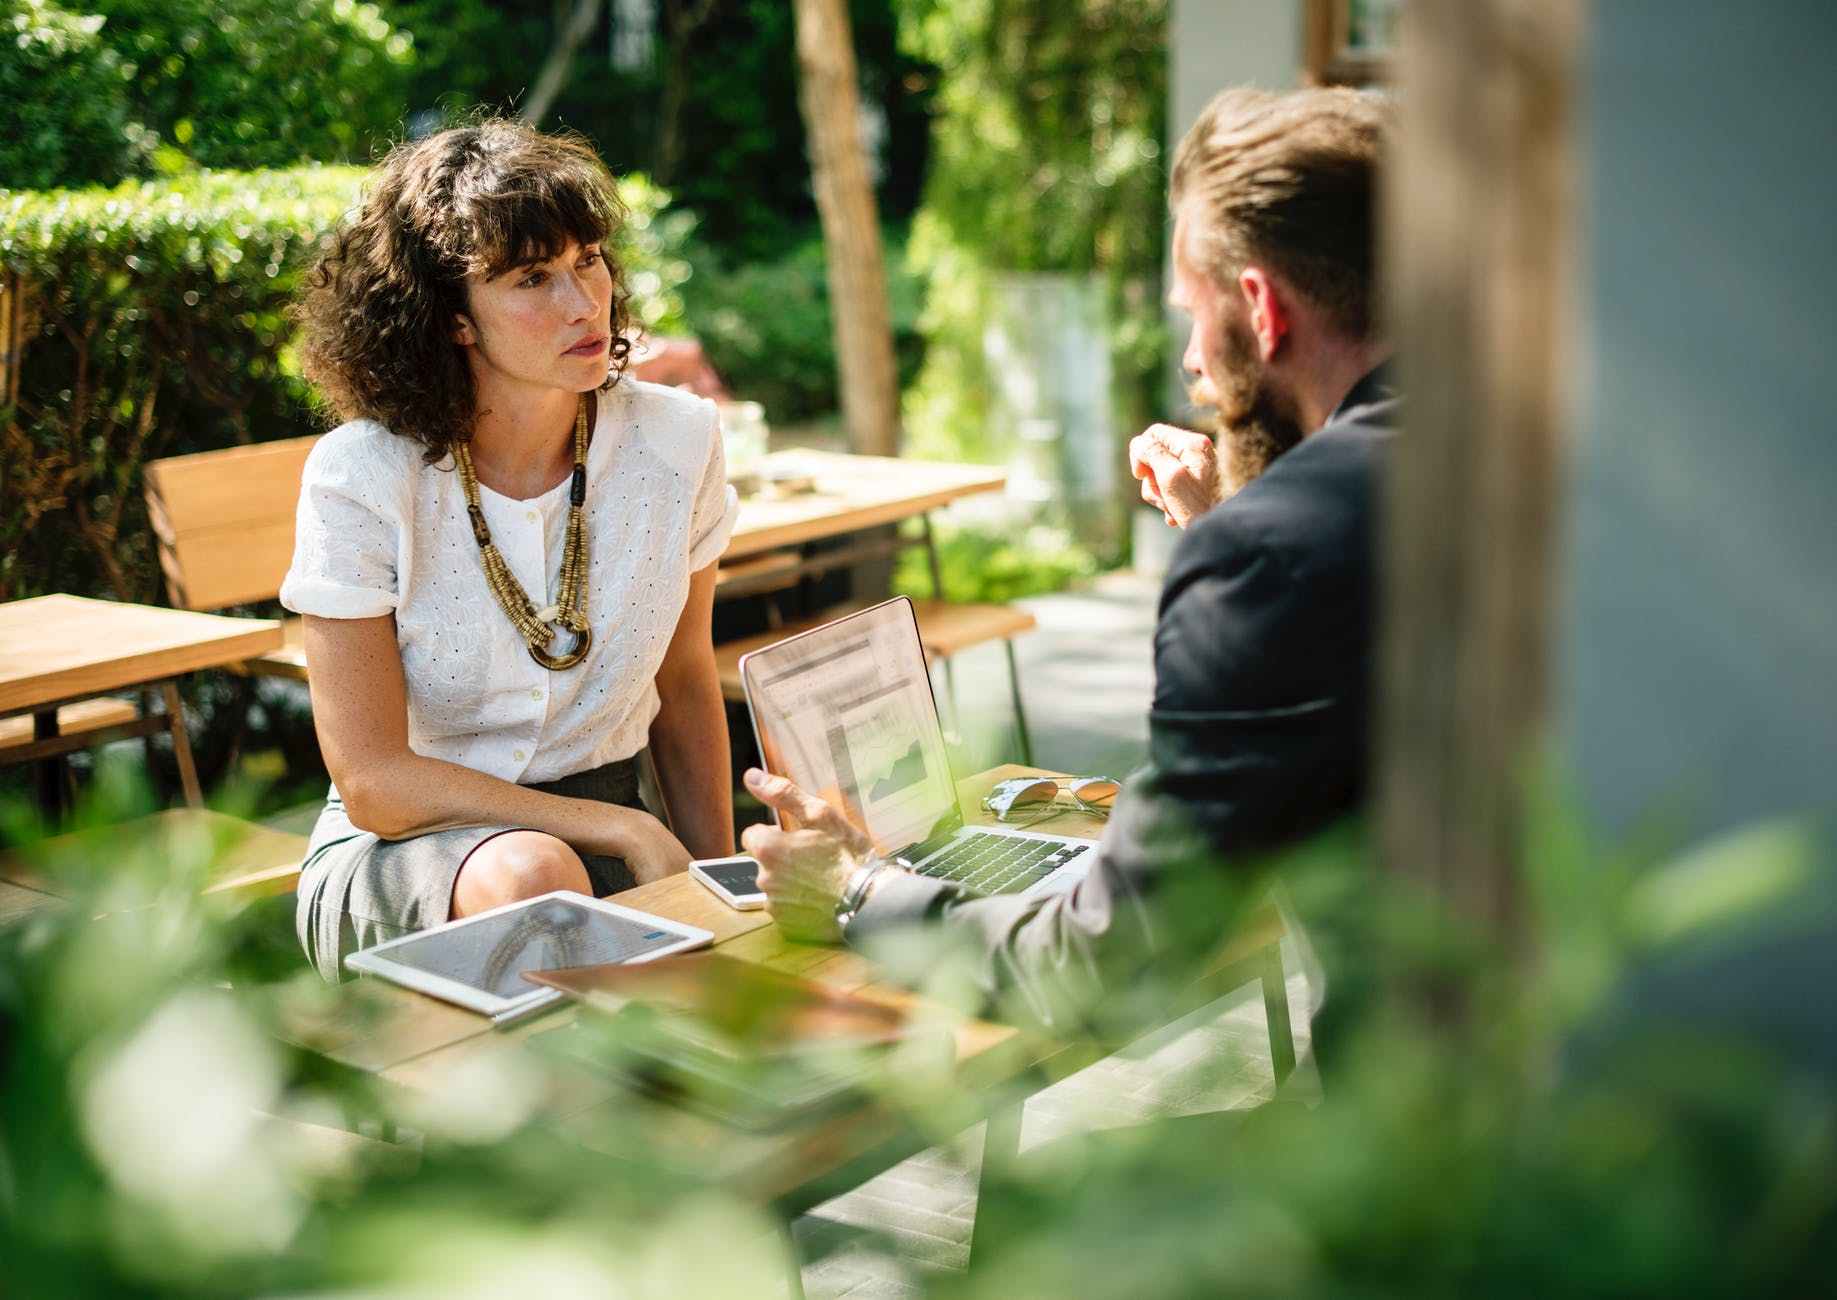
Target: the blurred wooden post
pixel 12 335
pixel 1480 255
pixel 831 106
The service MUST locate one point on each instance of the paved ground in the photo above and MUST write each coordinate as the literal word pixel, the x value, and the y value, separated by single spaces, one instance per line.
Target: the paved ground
pixel 893 1233
pixel 1086 678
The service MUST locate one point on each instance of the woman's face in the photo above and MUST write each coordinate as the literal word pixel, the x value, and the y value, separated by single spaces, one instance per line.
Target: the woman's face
pixel 544 324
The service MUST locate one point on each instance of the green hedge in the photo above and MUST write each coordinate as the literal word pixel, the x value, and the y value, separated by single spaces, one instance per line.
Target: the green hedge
pixel 151 319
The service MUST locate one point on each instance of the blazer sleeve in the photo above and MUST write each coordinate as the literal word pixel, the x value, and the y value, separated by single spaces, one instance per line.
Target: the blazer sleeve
pixel 1223 736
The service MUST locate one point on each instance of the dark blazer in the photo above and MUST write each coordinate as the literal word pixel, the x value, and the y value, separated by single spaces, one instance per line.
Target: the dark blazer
pixel 1258 733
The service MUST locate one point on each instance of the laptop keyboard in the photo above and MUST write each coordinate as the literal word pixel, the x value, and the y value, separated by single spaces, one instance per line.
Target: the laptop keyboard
pixel 1001 864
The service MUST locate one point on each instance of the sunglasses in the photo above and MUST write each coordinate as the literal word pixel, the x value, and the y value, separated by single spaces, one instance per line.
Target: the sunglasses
pixel 1021 796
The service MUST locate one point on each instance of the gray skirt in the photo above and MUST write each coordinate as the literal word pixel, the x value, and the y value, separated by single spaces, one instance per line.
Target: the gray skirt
pixel 358 890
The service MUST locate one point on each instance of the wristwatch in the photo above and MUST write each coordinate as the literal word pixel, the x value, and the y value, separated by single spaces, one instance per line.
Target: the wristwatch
pixel 855 892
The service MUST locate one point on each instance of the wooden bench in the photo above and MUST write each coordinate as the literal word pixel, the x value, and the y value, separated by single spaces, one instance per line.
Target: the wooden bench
pixel 77 719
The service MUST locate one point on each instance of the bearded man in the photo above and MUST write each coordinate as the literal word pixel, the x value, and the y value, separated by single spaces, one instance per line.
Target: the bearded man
pixel 1264 639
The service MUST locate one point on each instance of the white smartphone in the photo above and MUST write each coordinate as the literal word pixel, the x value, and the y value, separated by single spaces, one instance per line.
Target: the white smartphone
pixel 735 881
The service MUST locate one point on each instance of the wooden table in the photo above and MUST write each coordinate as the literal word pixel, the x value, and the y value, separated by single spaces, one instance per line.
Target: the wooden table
pixel 421 1044
pixel 57 650
pixel 851 494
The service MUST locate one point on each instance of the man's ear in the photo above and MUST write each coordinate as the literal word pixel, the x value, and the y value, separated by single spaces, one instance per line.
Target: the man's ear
pixel 464 332
pixel 1269 318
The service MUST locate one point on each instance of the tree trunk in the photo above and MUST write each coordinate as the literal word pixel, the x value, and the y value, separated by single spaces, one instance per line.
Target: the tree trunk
pixel 553 78
pixel 1481 257
pixel 851 228
pixel 681 21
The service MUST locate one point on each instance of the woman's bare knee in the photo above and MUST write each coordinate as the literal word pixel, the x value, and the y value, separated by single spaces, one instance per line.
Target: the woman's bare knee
pixel 513 866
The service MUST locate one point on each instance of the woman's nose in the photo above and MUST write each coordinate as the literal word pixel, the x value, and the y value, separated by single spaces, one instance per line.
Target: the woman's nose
pixel 582 304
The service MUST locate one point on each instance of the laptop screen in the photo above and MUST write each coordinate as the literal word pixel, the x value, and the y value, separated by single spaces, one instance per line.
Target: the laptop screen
pixel 846 712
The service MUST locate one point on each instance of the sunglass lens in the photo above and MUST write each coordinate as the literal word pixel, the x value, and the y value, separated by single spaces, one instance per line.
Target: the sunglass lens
pixel 1096 794
pixel 1032 796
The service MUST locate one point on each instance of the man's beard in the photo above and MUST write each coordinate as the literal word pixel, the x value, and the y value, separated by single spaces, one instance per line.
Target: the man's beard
pixel 1257 419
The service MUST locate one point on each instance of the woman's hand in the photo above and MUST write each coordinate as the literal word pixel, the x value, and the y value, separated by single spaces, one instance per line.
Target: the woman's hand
pixel 648 847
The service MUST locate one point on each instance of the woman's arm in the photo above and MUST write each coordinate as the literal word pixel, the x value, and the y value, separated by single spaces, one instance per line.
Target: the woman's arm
pixel 689 737
pixel 360 709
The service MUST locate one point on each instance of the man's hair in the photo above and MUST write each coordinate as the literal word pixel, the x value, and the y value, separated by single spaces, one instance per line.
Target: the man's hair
pixel 1288 181
pixel 379 309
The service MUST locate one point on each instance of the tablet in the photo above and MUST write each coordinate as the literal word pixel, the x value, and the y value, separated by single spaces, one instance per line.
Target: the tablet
pixel 479 962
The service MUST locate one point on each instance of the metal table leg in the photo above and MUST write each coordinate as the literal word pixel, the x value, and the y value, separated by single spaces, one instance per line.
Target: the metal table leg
pixel 53 794
pixel 1001 1144
pixel 1020 714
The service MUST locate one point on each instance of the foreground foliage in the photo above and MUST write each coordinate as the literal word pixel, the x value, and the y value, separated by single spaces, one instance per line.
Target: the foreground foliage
pixel 1648 1111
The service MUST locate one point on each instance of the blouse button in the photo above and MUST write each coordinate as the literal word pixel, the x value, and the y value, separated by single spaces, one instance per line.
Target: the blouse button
pixel 530 515
pixel 536 694
pixel 518 755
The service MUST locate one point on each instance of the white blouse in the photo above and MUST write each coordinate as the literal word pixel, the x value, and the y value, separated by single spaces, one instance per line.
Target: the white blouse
pixel 380 531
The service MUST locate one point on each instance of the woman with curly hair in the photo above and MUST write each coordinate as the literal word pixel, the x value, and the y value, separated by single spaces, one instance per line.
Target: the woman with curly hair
pixel 505 556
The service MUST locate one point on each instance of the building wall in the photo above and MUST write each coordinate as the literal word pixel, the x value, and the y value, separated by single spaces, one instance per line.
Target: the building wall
pixel 1218 43
pixel 1213 44
pixel 1699 571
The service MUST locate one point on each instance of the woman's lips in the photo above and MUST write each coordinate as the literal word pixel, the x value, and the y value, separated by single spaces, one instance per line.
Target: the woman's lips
pixel 588 347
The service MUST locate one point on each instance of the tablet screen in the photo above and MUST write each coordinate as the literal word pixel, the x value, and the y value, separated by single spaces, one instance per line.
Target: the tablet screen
pixel 491 953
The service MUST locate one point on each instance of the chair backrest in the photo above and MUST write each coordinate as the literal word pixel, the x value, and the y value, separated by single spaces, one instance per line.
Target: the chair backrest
pixel 224 520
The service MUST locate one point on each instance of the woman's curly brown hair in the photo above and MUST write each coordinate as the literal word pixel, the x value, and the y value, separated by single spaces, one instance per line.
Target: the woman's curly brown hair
pixel 379 308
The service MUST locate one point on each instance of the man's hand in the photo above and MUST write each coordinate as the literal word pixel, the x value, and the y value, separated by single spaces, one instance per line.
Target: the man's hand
pixel 803 872
pixel 1179 471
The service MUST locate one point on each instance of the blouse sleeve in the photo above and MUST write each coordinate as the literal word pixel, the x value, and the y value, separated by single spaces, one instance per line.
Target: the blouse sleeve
pixel 346 535
pixel 717 505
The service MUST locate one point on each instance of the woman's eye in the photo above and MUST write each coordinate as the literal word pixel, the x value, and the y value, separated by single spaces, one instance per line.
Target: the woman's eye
pixel 533 279
pixel 591 259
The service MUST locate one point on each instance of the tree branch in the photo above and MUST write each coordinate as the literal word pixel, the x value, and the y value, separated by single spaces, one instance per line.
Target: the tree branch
pixel 554 75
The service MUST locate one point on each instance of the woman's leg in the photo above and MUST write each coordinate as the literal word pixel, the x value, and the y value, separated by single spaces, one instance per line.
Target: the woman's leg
pixel 515 865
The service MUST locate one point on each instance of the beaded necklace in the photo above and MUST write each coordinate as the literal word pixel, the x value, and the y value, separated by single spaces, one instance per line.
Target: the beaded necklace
pixel 537 627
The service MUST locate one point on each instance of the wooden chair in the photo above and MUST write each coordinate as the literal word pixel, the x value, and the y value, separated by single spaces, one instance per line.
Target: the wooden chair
pixel 224 522
pixel 224 525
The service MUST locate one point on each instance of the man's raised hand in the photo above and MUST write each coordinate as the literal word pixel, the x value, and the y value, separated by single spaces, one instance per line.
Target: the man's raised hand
pixel 803 872
pixel 1179 471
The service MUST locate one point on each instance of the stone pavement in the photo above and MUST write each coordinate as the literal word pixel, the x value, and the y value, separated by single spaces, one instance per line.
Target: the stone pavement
pixel 1087 673
pixel 891 1234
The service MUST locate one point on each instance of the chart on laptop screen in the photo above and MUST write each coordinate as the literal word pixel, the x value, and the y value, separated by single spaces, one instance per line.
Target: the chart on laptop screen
pixel 846 712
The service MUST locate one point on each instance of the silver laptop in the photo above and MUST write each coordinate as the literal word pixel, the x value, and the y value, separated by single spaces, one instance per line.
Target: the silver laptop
pixel 846 711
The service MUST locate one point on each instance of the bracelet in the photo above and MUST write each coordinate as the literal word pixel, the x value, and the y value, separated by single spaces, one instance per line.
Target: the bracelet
pixel 855 892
